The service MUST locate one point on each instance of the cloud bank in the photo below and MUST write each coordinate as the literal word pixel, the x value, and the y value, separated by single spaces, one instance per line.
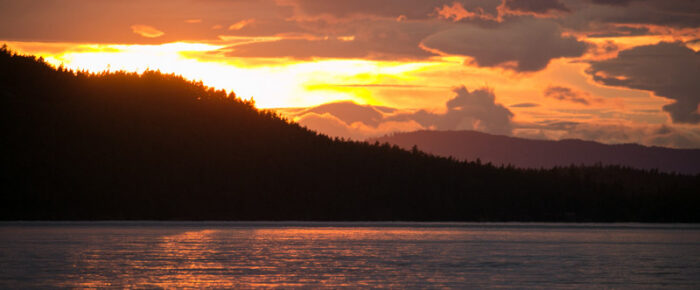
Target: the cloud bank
pixel 668 69
pixel 478 110
pixel 467 110
pixel 526 45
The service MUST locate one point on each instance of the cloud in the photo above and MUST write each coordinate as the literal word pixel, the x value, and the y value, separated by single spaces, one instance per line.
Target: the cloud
pixel 146 31
pixel 666 136
pixel 613 133
pixel 606 14
pixel 468 110
pixel 524 105
pixel 240 24
pixel 566 94
pixel 525 45
pixel 349 112
pixel 412 10
pixel 88 21
pixel 539 7
pixel 349 120
pixel 384 39
pixel 477 110
pixel 670 70
pixel 333 126
pixel 612 2
pixel 300 49
pixel 578 14
pixel 457 12
pixel 329 125
pixel 621 31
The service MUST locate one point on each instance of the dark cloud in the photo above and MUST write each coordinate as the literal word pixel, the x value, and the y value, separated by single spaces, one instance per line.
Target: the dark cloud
pixel 386 8
pixel 595 15
pixel 622 31
pixel 386 39
pixel 525 45
pixel 566 94
pixel 670 13
pixel 553 125
pixel 409 9
pixel 612 2
pixel 669 70
pixel 583 15
pixel 525 105
pixel 536 6
pixel 195 20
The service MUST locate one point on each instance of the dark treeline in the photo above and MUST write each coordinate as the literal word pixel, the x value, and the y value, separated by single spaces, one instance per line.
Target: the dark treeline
pixel 81 146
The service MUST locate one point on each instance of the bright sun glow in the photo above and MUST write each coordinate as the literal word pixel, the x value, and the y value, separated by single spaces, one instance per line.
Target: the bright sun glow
pixel 291 84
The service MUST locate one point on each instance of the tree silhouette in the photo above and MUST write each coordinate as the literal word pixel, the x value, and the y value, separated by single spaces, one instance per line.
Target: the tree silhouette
pixel 119 145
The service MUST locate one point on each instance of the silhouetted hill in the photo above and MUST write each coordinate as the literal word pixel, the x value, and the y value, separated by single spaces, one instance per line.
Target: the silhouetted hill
pixel 79 146
pixel 526 153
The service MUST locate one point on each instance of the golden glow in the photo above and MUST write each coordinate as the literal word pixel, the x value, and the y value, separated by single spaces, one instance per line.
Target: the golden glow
pixel 289 55
pixel 285 83
pixel 271 83
pixel 181 257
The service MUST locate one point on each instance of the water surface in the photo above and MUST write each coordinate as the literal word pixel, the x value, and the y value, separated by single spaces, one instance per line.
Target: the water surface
pixel 456 255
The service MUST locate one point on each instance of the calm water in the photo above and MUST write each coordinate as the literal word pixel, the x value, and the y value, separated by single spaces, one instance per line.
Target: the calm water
pixel 459 255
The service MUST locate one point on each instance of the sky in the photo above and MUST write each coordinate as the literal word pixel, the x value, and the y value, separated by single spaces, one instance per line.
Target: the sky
pixel 613 71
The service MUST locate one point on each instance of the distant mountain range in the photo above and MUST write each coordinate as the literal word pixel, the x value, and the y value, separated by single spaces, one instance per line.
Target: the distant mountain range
pixel 527 153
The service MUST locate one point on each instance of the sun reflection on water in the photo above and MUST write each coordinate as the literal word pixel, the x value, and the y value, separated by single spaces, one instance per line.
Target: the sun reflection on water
pixel 245 256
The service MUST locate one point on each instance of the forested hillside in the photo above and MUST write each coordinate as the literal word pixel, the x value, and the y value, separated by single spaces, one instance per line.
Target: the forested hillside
pixel 527 153
pixel 81 146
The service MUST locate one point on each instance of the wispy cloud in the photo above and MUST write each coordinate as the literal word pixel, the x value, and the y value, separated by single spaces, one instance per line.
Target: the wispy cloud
pixel 567 94
pixel 146 31
pixel 524 105
pixel 241 24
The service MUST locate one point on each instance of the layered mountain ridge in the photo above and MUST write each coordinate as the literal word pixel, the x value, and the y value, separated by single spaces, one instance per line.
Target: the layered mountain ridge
pixel 529 153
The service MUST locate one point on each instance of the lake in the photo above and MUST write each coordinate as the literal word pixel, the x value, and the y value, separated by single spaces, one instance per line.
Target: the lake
pixel 393 255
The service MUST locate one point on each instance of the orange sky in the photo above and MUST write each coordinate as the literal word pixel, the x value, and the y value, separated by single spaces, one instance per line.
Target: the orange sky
pixel 553 69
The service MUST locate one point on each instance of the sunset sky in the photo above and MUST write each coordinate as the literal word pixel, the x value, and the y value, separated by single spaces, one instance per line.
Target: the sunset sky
pixel 622 71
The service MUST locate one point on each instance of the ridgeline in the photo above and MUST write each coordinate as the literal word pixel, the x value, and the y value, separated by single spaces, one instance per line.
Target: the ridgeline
pixel 529 153
pixel 153 146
